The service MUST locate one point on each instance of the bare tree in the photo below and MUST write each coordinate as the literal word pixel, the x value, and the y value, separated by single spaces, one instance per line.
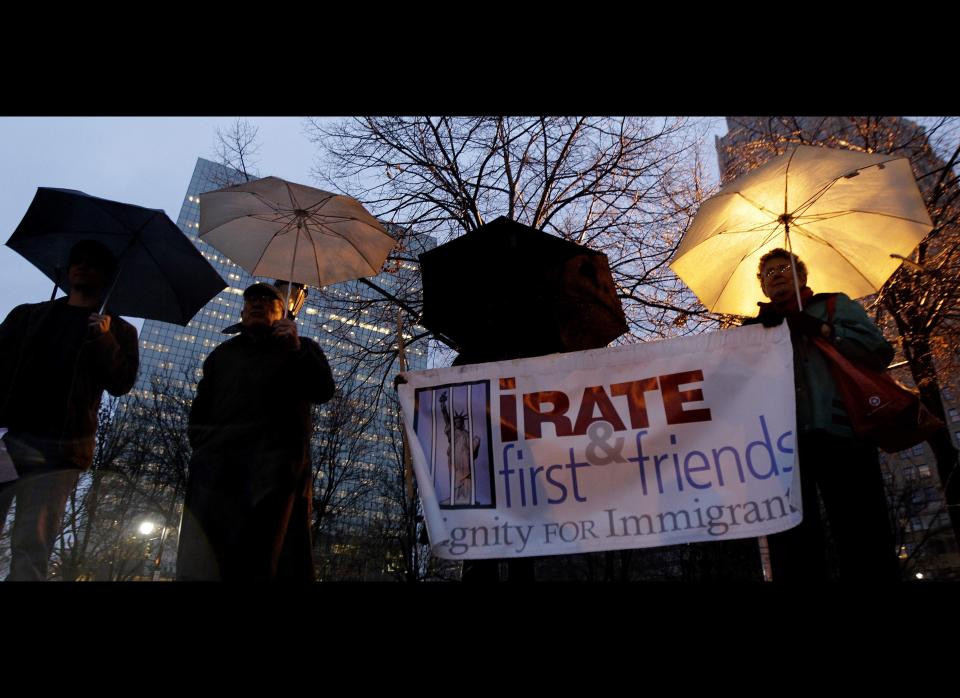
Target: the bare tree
pixel 138 474
pixel 403 533
pixel 237 147
pixel 342 476
pixel 71 557
pixel 166 413
pixel 626 186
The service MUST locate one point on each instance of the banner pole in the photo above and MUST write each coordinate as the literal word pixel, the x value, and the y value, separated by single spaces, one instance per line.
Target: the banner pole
pixel 407 461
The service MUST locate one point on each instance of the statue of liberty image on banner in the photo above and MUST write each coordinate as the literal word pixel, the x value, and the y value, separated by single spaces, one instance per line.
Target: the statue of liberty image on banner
pixel 453 426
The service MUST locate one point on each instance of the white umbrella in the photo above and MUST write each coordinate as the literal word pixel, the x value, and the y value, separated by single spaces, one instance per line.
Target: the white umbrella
pixel 279 229
pixel 849 216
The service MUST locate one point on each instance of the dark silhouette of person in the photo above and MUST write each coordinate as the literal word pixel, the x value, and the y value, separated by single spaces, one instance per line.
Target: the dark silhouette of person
pixel 56 360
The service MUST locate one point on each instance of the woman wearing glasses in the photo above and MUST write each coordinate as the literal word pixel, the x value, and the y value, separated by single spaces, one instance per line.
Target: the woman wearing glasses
pixel 844 470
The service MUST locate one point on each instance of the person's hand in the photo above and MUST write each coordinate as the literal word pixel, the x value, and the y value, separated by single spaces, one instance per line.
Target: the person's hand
pixel 804 324
pixel 286 331
pixel 770 318
pixel 98 325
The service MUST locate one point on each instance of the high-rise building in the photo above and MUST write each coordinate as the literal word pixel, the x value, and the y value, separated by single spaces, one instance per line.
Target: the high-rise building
pixel 927 546
pixel 175 355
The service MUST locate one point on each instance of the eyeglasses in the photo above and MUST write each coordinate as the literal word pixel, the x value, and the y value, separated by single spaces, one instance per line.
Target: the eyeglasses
pixel 777 270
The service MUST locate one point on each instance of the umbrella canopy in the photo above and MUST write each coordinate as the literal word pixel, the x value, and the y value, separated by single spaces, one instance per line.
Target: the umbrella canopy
pixel 509 286
pixel 279 229
pixel 843 213
pixel 161 275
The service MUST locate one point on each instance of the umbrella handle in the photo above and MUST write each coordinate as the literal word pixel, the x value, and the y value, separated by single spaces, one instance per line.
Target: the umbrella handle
pixel 116 277
pixel 56 283
pixel 293 262
pixel 407 467
pixel 120 261
pixel 793 267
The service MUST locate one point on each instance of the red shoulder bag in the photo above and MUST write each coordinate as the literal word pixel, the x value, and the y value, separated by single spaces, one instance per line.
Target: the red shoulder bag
pixel 880 409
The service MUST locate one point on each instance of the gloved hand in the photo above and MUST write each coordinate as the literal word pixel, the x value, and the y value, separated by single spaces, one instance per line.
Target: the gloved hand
pixel 770 317
pixel 804 324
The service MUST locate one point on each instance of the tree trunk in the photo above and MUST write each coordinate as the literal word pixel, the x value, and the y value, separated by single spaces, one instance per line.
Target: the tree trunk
pixel 93 499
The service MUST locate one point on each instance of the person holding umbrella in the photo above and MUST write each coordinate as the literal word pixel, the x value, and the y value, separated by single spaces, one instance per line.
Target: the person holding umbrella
pixel 845 470
pixel 853 217
pixel 247 508
pixel 56 359
pixel 247 512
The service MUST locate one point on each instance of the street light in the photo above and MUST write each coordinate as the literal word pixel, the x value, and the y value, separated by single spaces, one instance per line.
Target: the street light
pixel 149 530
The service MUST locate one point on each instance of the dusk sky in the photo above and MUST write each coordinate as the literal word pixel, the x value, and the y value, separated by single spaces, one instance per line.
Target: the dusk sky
pixel 145 161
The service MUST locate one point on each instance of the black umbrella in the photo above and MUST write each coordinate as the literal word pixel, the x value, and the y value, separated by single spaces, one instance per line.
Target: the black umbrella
pixel 161 275
pixel 507 290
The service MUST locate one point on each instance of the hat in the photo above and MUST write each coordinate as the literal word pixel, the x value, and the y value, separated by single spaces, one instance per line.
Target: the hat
pixel 262 290
pixel 96 254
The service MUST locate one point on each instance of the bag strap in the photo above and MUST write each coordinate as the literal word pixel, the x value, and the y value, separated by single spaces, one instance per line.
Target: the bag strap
pixel 831 308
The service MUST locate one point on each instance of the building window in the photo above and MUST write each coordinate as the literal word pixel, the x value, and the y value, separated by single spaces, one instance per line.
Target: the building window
pixel 923 470
pixel 953 414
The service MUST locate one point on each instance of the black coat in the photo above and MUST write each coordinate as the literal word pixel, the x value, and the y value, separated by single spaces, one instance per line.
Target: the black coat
pixel 253 407
pixel 250 429
pixel 108 362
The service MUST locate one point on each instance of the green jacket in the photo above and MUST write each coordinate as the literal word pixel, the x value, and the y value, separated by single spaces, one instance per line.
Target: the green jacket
pixel 818 404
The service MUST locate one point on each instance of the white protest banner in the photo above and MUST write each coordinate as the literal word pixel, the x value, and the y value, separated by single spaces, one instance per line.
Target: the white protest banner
pixel 666 442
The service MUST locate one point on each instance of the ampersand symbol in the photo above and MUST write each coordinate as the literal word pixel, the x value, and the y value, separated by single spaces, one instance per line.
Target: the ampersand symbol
pixel 599 433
